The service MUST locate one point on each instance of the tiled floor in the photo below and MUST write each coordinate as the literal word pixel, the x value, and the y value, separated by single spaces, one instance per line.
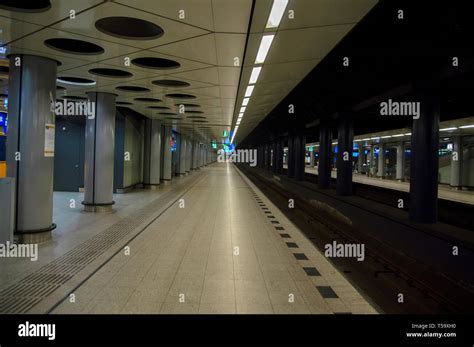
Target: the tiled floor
pixel 215 251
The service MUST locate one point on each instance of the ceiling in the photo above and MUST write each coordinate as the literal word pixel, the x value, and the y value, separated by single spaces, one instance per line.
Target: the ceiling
pixel 203 36
pixel 300 43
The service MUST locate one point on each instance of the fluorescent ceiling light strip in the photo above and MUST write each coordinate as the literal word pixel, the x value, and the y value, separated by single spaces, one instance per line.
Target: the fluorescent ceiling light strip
pixel 276 13
pixel 466 126
pixel 398 135
pixel 407 134
pixel 255 73
pixel 448 129
pixel 245 102
pixel 386 137
pixel 264 48
pixel 242 109
pixel 249 91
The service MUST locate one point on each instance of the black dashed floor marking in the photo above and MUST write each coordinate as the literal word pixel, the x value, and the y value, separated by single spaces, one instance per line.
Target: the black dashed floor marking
pixel 327 292
pixel 292 245
pixel 311 271
pixel 271 217
pixel 300 256
pixel 275 222
pixel 279 228
pixel 285 236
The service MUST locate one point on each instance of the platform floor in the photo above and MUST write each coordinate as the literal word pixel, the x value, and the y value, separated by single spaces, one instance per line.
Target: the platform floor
pixel 222 247
pixel 444 192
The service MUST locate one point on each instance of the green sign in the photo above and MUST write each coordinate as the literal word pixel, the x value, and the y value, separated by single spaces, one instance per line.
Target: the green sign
pixel 225 133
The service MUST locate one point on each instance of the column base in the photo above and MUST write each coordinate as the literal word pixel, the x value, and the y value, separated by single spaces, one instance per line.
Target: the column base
pixel 151 186
pixel 106 207
pixel 35 236
pixel 166 182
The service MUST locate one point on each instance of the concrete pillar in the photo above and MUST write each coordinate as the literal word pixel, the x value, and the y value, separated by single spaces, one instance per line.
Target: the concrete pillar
pixel 32 88
pixel 311 158
pixel 466 172
pixel 99 154
pixel 368 160
pixel 456 163
pixel 400 165
pixel 424 160
pixel 274 157
pixel 267 156
pixel 188 154
pixel 182 155
pixel 325 153
pixel 381 161
pixel 299 148
pixel 152 153
pixel 279 156
pixel 360 159
pixel 167 155
pixel 345 140
pixel 291 157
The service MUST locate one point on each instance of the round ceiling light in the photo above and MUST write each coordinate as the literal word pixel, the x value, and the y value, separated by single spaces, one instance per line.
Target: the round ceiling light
pixel 133 89
pixel 171 83
pixel 148 99
pixel 159 107
pixel 26 6
pixel 76 81
pixel 194 112
pixel 73 46
pixel 180 96
pixel 112 73
pixel 189 105
pixel 123 103
pixel 156 63
pixel 129 28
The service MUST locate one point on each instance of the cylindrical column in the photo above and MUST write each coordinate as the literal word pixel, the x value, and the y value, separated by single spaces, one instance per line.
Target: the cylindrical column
pixel 381 161
pixel 311 157
pixel 167 155
pixel 291 157
pixel 279 156
pixel 188 154
pixel 466 172
pixel 299 146
pixel 424 161
pixel 456 163
pixel 182 155
pixel 30 144
pixel 267 156
pixel 345 140
pixel 325 152
pixel 274 156
pixel 360 159
pixel 400 166
pixel 152 153
pixel 99 154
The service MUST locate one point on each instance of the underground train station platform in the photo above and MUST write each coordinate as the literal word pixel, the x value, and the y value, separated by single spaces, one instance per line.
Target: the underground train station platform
pixel 236 172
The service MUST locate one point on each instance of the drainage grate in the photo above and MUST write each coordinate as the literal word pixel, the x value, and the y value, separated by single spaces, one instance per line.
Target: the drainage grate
pixel 20 297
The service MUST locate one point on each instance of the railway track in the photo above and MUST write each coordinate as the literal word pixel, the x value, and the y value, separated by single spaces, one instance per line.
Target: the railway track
pixel 386 272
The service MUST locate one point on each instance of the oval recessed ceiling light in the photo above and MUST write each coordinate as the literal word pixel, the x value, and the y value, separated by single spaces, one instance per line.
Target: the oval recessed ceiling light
pixel 167 113
pixel 26 6
pixel 112 73
pixel 129 28
pixel 123 103
pixel 189 105
pixel 159 107
pixel 148 99
pixel 193 112
pixel 156 63
pixel 196 117
pixel 73 97
pixel 73 46
pixel 60 88
pixel 199 121
pixel 180 96
pixel 171 83
pixel 4 69
pixel 133 89
pixel 76 81
pixel 174 118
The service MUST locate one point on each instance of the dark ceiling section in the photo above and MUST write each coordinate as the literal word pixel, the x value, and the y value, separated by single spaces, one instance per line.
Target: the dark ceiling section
pixel 386 56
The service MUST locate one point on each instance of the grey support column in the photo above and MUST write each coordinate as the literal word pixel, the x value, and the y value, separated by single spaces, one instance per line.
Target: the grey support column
pixel 345 140
pixel 189 154
pixel 368 160
pixel 99 154
pixel 291 157
pixel 400 165
pixel 381 161
pixel 424 160
pixel 152 153
pixel 299 148
pixel 195 155
pixel 311 158
pixel 167 155
pixel 30 144
pixel 360 159
pixel 456 163
pixel 274 157
pixel 325 154
pixel 279 156
pixel 182 155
